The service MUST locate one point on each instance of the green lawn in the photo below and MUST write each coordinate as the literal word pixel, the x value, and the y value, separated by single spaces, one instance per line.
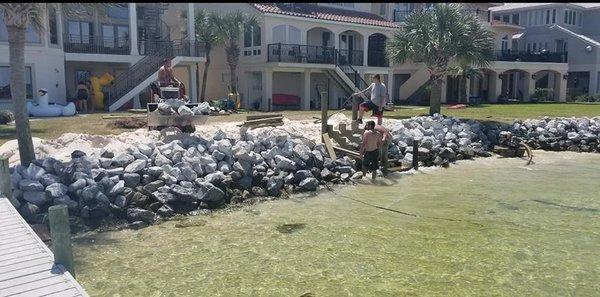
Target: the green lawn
pixel 94 124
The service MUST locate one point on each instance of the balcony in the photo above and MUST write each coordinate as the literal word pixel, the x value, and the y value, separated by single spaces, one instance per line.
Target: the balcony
pixel 525 56
pixel 296 53
pixel 351 57
pixel 95 45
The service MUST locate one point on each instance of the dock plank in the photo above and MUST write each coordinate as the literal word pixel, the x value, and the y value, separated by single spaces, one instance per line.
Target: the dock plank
pixel 26 264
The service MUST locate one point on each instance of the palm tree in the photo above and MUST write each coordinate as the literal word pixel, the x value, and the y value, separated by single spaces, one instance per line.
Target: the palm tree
pixel 18 16
pixel 231 26
pixel 438 37
pixel 207 33
pixel 460 71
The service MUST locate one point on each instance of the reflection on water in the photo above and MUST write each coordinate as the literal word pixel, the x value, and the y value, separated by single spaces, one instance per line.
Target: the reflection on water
pixel 490 227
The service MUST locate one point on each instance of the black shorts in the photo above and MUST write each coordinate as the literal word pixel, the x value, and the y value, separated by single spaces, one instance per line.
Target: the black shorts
pixel 369 105
pixel 371 160
pixel 82 95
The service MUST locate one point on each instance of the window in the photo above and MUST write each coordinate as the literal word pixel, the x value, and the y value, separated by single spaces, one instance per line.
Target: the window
pixel 118 12
pixel 251 36
pixel 115 35
pixel 506 18
pixel 547 16
pixel 515 18
pixel 5 83
pixel 53 26
pixel 496 17
pixel 382 8
pixel 554 16
pixel 536 18
pixel 31 36
pixel 573 18
pixel 580 19
pixel 534 46
pixel 528 47
pixel 545 45
pixel 566 17
pixel 504 43
pixel 80 32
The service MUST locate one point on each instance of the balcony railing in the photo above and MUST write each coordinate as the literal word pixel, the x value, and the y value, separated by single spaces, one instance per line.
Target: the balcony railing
pixel 295 53
pixel 525 56
pixel 352 57
pixel 95 45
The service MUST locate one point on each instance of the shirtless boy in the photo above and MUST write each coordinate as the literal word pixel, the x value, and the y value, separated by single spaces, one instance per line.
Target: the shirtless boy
pixel 369 149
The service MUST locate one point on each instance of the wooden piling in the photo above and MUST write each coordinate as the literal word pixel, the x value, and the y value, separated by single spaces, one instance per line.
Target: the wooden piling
pixel 415 160
pixel 384 156
pixel 354 108
pixel 60 231
pixel 5 183
pixel 324 106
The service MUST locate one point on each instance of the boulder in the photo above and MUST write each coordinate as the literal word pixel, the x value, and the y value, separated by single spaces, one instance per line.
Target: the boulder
pixel 77 154
pixel 138 214
pixel 131 180
pixel 56 190
pixel 30 185
pixel 135 166
pixel 122 160
pixel 38 198
pixel 309 184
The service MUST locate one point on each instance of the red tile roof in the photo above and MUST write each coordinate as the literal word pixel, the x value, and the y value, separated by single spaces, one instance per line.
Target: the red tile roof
pixel 325 13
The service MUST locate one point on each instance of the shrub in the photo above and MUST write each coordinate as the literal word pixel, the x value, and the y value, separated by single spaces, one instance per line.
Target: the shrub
pixel 543 94
pixel 6 116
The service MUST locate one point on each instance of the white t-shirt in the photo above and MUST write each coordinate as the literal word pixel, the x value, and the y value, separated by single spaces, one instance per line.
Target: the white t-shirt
pixel 378 92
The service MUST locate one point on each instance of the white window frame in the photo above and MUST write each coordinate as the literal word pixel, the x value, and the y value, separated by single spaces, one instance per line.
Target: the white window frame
pixel 33 84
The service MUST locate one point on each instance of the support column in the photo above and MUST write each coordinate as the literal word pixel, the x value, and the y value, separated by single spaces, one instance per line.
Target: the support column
pixel 133 32
pixel 515 86
pixel 593 89
pixel 467 89
pixel 59 25
pixel 193 89
pixel 191 28
pixel 390 86
pixel 366 51
pixel 561 88
pixel 444 90
pixel 494 87
pixel 306 96
pixel 267 80
pixel 136 102
pixel 529 87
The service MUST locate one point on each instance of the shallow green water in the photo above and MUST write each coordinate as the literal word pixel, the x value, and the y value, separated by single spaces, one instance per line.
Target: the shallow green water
pixel 479 232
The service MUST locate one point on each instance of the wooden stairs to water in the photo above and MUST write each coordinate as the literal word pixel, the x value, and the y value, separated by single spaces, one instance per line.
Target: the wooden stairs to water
pixel 346 137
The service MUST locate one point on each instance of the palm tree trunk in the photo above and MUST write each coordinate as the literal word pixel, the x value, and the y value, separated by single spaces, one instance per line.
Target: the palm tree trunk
pixel 232 69
pixel 436 95
pixel 205 74
pixel 16 44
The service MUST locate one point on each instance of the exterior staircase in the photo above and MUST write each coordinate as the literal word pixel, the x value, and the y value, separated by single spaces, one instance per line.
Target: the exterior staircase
pixel 346 77
pixel 414 83
pixel 155 46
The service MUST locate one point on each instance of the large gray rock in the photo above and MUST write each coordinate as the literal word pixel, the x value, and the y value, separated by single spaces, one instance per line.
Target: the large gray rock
pixel 309 184
pixel 77 185
pixel 274 185
pixel 131 179
pixel 38 198
pixel 72 205
pixel 165 211
pixel 161 160
pixel 184 194
pixel 122 160
pixel 30 185
pixel 135 166
pixel 34 172
pixel 56 190
pixel 117 189
pixel 153 186
pixel 138 214
pixel 164 197
pixel 48 179
pixel 284 163
pixel 211 194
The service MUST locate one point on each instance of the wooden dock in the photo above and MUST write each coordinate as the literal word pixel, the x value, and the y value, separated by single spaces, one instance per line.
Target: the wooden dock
pixel 26 264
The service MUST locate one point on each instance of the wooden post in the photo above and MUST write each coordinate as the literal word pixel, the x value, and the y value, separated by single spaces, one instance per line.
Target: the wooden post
pixel 384 157
pixel 5 183
pixel 324 106
pixel 354 108
pixel 415 160
pixel 61 236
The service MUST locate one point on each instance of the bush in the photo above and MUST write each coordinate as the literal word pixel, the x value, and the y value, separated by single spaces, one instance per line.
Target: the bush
pixel 6 117
pixel 543 94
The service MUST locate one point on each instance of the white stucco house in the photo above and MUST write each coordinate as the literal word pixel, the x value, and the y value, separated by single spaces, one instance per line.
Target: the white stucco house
pixel 298 52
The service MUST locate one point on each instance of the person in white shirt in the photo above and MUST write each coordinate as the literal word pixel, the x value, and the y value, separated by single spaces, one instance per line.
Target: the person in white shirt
pixel 379 97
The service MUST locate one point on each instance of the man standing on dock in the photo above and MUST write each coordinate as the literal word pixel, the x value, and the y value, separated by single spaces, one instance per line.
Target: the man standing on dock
pixel 379 97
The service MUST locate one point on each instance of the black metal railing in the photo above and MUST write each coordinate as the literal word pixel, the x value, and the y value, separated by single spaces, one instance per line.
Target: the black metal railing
pixel 351 72
pixel 88 44
pixel 296 53
pixel 155 54
pixel 377 59
pixel 527 56
pixel 352 57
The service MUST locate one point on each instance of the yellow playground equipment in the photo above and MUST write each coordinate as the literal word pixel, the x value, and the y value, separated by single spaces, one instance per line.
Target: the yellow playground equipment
pixel 97 84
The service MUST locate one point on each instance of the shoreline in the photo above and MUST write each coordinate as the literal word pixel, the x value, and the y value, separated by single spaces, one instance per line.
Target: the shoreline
pixel 145 177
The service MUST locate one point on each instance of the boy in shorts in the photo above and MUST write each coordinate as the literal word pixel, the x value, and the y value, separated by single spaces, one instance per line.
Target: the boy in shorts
pixel 369 149
pixel 378 99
